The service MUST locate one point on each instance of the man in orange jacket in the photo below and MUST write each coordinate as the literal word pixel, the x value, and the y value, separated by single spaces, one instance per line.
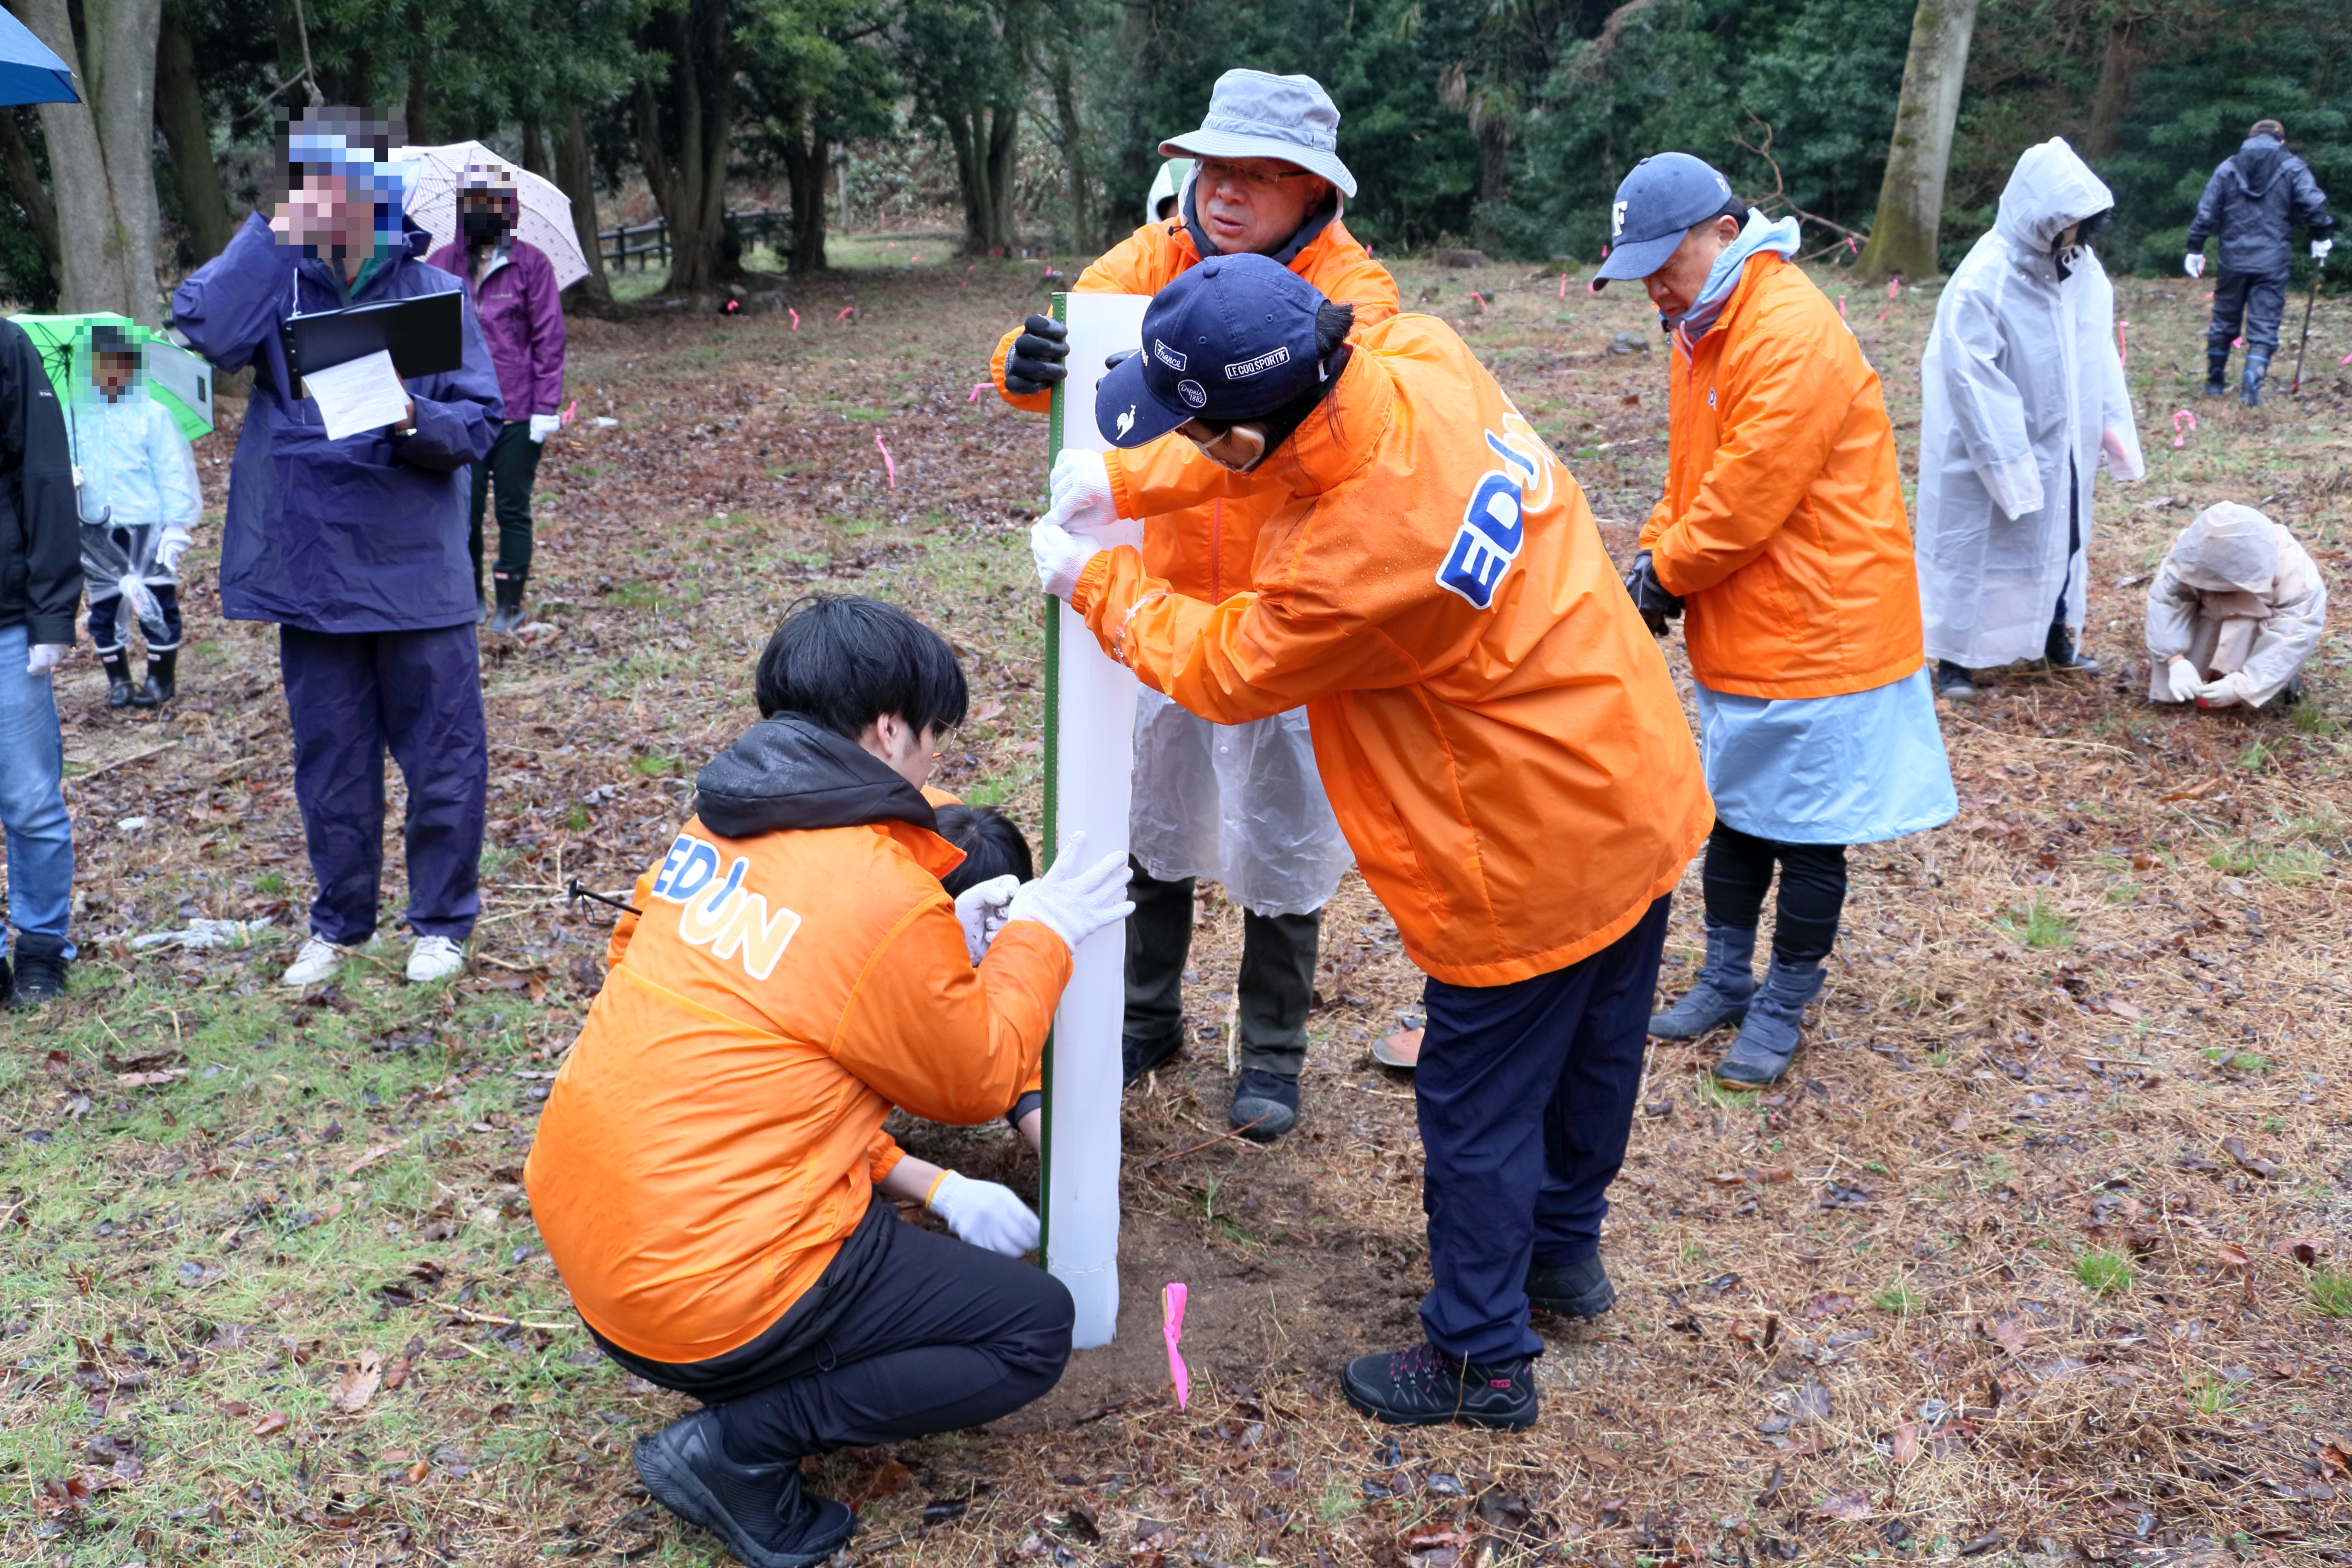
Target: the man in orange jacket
pixel 704 1171
pixel 1241 806
pixel 1500 740
pixel 1782 529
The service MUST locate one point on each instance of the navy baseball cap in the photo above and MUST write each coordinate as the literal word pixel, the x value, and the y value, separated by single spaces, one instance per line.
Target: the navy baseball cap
pixel 1656 205
pixel 1232 339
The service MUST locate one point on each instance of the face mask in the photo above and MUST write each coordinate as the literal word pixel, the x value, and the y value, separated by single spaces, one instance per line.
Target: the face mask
pixel 481 227
pixel 1237 449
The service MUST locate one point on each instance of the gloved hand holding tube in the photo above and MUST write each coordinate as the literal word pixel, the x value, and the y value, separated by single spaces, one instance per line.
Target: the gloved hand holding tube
pixel 981 910
pixel 1075 899
pixel 1039 358
pixel 2183 678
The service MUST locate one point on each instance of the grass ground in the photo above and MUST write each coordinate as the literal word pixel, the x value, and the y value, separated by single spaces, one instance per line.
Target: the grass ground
pixel 2040 1254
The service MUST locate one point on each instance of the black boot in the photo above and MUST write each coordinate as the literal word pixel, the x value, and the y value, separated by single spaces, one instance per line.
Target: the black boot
pixel 143 689
pixel 40 977
pixel 508 616
pixel 2249 386
pixel 1571 1289
pixel 2061 653
pixel 2217 374
pixel 162 675
pixel 759 1511
pixel 1266 1105
pixel 1424 1386
pixel 118 679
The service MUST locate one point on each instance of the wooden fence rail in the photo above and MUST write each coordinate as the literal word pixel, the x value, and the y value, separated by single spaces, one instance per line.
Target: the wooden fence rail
pixel 649 242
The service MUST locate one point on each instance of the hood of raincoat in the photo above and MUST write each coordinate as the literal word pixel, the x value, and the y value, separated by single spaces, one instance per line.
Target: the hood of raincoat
pixel 2050 188
pixel 790 772
pixel 2228 549
pixel 2257 164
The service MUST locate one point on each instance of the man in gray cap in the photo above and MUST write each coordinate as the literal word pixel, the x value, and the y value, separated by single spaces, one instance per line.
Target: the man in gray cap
pixel 1241 805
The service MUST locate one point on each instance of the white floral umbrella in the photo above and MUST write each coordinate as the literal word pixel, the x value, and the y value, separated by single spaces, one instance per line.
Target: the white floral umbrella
pixel 545 215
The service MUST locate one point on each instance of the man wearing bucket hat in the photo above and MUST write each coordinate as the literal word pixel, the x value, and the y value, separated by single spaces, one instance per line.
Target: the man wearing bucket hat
pixel 1429 585
pixel 1241 804
pixel 1783 532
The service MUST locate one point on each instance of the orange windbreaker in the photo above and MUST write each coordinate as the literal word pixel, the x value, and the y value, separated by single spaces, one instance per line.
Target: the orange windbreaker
pixel 1496 730
pixel 716 1130
pixel 1204 551
pixel 1782 524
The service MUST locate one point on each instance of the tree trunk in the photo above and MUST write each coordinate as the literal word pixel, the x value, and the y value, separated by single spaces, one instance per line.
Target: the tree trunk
pixel 418 110
pixel 180 115
pixel 1911 196
pixel 534 148
pixel 690 187
pixel 1076 165
pixel 2118 64
pixel 575 175
pixel 808 157
pixel 23 175
pixel 101 164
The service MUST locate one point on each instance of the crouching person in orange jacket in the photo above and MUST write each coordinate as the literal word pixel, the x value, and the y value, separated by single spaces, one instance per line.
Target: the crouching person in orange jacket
pixel 1497 733
pixel 1782 529
pixel 704 1171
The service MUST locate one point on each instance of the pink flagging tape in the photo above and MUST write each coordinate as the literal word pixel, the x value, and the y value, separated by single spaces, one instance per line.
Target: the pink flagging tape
pixel 2182 423
pixel 977 388
pixel 888 466
pixel 796 318
pixel 1171 1304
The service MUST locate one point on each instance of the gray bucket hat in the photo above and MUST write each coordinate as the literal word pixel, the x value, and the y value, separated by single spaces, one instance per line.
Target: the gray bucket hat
pixel 1257 114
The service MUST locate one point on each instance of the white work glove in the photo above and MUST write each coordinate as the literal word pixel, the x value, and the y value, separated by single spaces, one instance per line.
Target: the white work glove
pixel 1080 492
pixel 2227 691
pixel 980 910
pixel 1060 555
pixel 2016 486
pixel 47 655
pixel 2320 248
pixel 2183 680
pixel 2193 264
pixel 171 547
pixel 543 426
pixel 984 1215
pixel 1074 899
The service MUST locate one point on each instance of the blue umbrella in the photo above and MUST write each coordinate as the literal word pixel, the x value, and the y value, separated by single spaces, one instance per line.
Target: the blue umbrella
pixel 29 72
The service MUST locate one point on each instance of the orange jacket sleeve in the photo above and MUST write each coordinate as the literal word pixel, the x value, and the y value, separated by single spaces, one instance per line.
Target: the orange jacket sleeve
pixel 1365 284
pixel 618 945
pixel 882 1156
pixel 1130 266
pixel 1777 431
pixel 1170 475
pixel 947 1041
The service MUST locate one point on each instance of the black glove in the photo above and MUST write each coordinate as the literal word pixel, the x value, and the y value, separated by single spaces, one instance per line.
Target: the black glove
pixel 1656 606
pixel 1039 358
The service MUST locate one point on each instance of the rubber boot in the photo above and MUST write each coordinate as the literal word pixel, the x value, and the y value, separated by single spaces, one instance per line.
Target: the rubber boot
pixel 2059 652
pixel 2216 374
pixel 119 686
pixel 1726 984
pixel 2249 386
pixel 142 687
pixel 1767 1038
pixel 163 674
pixel 508 616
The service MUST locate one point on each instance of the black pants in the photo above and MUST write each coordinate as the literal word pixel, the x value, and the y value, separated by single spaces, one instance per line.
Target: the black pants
pixel 2259 299
pixel 1525 1100
pixel 941 1336
pixel 1277 976
pixel 1737 872
pixel 162 637
pixel 511 467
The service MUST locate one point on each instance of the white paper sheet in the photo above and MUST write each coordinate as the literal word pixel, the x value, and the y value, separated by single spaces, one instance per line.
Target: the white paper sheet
pixel 357 394
pixel 1094 768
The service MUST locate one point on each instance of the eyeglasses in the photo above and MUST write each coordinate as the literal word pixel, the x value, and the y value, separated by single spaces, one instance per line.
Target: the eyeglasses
pixel 1250 182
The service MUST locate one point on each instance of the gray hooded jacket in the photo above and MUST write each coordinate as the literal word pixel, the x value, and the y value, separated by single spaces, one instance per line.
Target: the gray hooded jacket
pixel 2254 202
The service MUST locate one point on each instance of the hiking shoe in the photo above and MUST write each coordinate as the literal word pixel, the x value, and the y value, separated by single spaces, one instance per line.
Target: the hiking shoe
pixel 1719 996
pixel 1768 1039
pixel 1571 1289
pixel 759 1511
pixel 435 958
pixel 1266 1105
pixel 1954 684
pixel 1137 1056
pixel 40 979
pixel 2059 653
pixel 314 965
pixel 1424 1386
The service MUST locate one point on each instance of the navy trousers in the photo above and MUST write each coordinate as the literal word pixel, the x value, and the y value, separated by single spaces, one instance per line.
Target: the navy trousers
pixel 1526 1099
pixel 350 696
pixel 2257 299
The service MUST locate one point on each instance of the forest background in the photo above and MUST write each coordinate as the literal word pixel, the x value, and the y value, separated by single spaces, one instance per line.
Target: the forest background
pixel 1020 126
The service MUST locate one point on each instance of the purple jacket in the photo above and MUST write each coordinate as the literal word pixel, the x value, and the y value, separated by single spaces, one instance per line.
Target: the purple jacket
pixel 521 312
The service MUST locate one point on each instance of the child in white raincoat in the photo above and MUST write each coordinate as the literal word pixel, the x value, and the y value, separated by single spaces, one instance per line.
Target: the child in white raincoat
pixel 140 503
pixel 2024 393
pixel 2235 612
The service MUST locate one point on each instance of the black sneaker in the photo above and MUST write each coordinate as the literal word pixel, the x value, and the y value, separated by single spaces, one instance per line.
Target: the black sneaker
pixel 759 1511
pixel 2059 652
pixel 1137 1056
pixel 1571 1289
pixel 40 979
pixel 1266 1105
pixel 1424 1386
pixel 1954 684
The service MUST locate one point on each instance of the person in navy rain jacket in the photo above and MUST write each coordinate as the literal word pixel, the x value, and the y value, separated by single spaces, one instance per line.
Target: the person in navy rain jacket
pixel 356 548
pixel 2254 200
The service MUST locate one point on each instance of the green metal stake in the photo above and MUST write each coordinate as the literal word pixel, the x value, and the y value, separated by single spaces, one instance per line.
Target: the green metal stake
pixel 1052 752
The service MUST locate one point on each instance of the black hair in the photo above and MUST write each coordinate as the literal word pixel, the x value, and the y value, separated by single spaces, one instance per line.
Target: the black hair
pixel 2090 228
pixel 2267 128
pixel 1736 208
pixel 992 843
pixel 108 339
pixel 843 661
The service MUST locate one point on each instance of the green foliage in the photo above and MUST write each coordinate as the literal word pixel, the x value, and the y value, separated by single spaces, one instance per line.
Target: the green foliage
pixel 2101 1273
pixel 1902 1299
pixel 2036 924
pixel 2331 1292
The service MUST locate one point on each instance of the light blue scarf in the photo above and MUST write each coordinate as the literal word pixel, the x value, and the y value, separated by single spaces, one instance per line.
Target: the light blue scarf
pixel 1761 234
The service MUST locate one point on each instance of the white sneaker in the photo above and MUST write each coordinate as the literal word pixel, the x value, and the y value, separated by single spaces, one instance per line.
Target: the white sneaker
pixel 435 958
pixel 316 963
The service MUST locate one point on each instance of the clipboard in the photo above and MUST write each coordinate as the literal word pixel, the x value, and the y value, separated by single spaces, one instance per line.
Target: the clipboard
pixel 426 335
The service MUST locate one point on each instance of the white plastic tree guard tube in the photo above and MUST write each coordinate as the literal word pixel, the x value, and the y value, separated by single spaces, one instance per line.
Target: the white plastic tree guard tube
pixel 1090 765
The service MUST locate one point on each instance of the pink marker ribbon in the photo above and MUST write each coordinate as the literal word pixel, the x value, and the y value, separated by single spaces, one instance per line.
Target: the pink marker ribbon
pixel 1852 249
pixel 570 411
pixel 1171 1306
pixel 888 466
pixel 1563 285
pixel 2182 422
pixel 796 318
pixel 845 312
pixel 2123 342
pixel 967 275
pixel 1840 307
pixel 977 388
pixel 1894 288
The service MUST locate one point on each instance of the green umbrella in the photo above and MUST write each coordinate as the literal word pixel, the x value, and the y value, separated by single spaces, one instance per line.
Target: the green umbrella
pixel 175 378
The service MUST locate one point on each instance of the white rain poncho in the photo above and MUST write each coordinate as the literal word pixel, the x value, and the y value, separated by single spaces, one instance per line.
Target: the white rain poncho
pixel 138 492
pixel 2024 393
pixel 2241 601
pixel 1241 804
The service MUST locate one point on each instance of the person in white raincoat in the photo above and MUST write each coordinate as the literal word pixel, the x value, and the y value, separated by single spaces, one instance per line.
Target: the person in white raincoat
pixel 2235 612
pixel 2024 396
pixel 139 503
